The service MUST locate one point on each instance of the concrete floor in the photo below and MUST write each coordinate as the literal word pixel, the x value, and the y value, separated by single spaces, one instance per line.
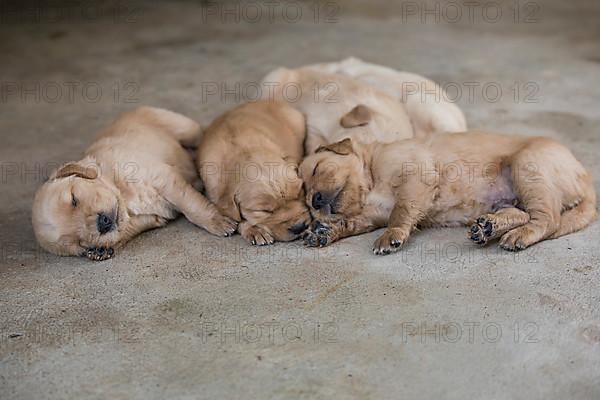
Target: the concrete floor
pixel 181 314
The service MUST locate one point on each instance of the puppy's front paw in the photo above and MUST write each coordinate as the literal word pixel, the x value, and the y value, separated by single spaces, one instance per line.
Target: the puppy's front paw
pixel 319 235
pixel 390 242
pixel 99 253
pixel 221 225
pixel 257 235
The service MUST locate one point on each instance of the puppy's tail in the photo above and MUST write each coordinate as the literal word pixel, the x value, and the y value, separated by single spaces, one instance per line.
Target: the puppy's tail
pixel 582 214
pixel 185 130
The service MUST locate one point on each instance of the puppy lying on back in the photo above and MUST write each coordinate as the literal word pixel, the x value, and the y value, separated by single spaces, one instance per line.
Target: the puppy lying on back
pixel 517 189
pixel 366 102
pixel 135 177
pixel 248 160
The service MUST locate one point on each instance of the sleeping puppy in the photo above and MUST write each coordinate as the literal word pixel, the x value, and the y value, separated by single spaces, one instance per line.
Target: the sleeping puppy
pixel 135 177
pixel 520 190
pixel 337 106
pixel 427 104
pixel 248 160
pixel 366 102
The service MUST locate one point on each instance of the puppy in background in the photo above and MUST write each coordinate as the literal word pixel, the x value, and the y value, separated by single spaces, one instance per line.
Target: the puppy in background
pixel 135 177
pixel 426 102
pixel 519 190
pixel 248 160
pixel 366 102
pixel 337 106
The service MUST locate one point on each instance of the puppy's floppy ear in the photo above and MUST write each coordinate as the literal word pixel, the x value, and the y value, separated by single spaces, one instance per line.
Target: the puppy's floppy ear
pixel 77 169
pixel 343 148
pixel 360 115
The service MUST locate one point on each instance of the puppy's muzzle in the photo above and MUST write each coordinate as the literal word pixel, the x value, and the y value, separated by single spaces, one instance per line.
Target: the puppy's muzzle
pixel 319 200
pixel 298 228
pixel 104 223
pixel 323 202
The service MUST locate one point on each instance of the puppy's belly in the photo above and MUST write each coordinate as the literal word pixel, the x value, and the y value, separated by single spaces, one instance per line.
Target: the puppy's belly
pixel 461 203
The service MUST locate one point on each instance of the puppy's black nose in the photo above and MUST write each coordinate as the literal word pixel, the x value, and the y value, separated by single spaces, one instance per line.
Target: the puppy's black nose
pixel 104 223
pixel 298 228
pixel 319 200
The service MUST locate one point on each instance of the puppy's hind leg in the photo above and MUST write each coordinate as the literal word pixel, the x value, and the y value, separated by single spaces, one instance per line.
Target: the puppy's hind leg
pixel 492 226
pixel 543 223
pixel 581 214
pixel 538 196
pixel 185 130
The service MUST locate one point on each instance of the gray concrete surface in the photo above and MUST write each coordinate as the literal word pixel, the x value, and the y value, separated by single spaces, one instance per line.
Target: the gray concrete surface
pixel 181 314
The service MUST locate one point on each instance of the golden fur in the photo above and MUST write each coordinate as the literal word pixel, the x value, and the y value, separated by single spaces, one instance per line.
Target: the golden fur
pixel 135 177
pixel 248 161
pixel 520 190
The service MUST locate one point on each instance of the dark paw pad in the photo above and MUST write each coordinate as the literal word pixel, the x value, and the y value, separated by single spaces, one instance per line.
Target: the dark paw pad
pixel 318 236
pixel 396 243
pixel 481 231
pixel 488 229
pixel 99 253
pixel 388 243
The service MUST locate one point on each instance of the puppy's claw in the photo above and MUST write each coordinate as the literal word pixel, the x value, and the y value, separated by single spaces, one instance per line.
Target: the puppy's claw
pixel 221 225
pixel 99 253
pixel 390 242
pixel 257 235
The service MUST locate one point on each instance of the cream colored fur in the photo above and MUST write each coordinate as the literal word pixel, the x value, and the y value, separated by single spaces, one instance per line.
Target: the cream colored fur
pixel 137 174
pixel 429 108
pixel 330 92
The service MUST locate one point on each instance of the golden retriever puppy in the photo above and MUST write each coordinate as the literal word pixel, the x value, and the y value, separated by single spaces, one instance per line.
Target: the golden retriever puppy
pixel 135 177
pixel 520 190
pixel 337 106
pixel 429 107
pixel 248 160
pixel 366 102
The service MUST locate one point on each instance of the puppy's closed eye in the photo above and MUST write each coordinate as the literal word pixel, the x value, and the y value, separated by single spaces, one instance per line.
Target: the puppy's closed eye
pixel 315 169
pixel 262 211
pixel 74 201
pixel 257 213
